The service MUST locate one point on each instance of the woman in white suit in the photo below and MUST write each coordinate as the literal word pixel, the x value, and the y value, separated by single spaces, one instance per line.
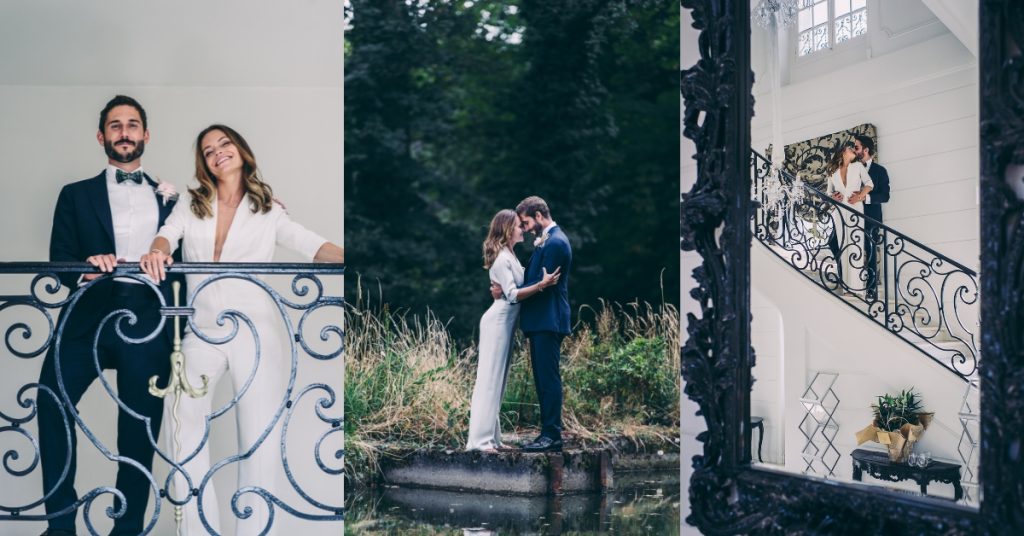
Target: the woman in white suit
pixel 496 328
pixel 849 183
pixel 231 216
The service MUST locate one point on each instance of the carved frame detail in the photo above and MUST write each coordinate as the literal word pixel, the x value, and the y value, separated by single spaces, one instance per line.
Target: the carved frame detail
pixel 727 494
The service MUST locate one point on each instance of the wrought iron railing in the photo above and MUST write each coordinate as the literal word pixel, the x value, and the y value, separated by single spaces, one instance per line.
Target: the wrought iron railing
pixel 918 294
pixel 307 311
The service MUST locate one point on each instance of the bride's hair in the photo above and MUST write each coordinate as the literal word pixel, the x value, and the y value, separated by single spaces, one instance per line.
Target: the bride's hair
pixel 261 197
pixel 836 161
pixel 499 235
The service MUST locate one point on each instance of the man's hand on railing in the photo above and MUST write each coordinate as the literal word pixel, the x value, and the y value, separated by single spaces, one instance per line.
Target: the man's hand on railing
pixel 105 263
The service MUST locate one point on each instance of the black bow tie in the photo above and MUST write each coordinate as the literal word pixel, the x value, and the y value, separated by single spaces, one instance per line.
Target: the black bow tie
pixel 135 176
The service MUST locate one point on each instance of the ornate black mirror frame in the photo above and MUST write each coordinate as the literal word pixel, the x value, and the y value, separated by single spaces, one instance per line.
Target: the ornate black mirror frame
pixel 727 494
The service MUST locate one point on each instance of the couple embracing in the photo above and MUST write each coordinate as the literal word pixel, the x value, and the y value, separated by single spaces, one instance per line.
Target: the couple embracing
pixel 538 297
pixel 124 215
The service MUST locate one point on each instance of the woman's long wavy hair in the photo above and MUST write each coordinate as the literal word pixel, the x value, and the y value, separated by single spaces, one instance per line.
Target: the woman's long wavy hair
pixel 261 197
pixel 499 236
pixel 836 161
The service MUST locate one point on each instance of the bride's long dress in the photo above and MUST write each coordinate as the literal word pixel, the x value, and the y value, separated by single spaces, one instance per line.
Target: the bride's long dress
pixel 850 226
pixel 496 328
pixel 251 238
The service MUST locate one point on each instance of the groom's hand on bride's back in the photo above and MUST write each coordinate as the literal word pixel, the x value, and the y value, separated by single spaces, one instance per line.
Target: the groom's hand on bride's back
pixel 495 290
pixel 550 279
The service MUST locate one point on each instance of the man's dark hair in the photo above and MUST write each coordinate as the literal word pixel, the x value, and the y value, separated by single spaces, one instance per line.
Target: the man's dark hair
pixel 122 100
pixel 867 143
pixel 532 205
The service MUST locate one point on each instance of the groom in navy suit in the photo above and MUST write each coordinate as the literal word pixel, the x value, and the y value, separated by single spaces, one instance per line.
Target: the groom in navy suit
pixel 544 318
pixel 864 147
pixel 109 218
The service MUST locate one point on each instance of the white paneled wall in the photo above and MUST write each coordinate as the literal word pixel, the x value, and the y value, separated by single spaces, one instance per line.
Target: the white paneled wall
pixel 923 99
pixel 767 399
pixel 820 333
pixel 690 424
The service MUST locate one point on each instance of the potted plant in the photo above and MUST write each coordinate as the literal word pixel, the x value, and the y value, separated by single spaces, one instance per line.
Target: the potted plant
pixel 899 422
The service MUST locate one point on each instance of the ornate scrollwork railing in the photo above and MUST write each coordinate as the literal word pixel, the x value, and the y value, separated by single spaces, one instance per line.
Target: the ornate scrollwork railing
pixel 918 294
pixel 36 327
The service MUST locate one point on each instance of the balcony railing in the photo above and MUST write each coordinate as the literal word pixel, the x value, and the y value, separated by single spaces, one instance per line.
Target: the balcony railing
pixel 918 294
pixel 306 310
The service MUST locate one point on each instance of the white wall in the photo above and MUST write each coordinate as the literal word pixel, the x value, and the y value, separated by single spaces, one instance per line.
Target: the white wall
pixel 272 70
pixel 690 424
pixel 918 84
pixel 820 333
pixel 767 399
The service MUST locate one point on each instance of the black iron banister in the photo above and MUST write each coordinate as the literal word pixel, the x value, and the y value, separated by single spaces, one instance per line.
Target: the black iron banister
pixel 790 179
pixel 292 310
pixel 823 237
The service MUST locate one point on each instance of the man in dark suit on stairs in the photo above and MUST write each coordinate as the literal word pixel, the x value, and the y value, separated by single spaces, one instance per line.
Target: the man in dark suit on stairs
pixel 106 219
pixel 864 147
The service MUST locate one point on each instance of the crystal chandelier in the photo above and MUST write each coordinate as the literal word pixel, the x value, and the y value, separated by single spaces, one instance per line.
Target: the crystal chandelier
pixel 775 195
pixel 785 12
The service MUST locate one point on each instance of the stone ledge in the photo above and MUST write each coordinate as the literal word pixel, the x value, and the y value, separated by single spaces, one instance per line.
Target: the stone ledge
pixel 516 472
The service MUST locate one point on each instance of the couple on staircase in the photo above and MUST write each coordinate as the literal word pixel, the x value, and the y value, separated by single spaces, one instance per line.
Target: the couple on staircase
pixel 861 185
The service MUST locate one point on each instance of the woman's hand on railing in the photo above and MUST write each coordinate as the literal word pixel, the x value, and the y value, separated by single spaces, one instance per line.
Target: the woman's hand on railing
pixel 154 262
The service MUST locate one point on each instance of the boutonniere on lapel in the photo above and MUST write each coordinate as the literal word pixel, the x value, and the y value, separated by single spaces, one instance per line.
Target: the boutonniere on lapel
pixel 166 192
pixel 539 241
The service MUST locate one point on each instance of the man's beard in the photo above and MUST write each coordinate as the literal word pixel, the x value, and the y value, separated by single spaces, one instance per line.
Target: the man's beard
pixel 140 147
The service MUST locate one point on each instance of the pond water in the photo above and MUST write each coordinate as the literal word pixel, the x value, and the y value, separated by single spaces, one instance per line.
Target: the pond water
pixel 641 504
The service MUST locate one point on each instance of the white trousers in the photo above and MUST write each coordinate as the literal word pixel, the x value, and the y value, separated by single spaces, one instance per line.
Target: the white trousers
pixel 254 414
pixel 496 327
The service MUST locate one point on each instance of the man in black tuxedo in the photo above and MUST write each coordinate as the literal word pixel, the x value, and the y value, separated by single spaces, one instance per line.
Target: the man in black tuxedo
pixel 104 220
pixel 544 318
pixel 864 147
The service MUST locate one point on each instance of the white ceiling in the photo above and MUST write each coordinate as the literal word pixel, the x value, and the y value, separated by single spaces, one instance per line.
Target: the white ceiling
pixel 171 42
pixel 961 17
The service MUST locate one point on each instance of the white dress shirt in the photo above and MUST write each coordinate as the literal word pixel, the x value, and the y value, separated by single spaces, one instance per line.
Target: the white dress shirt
pixel 135 215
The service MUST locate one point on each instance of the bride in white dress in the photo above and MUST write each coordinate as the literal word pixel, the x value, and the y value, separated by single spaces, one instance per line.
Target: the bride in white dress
pixel 231 217
pixel 496 328
pixel 849 183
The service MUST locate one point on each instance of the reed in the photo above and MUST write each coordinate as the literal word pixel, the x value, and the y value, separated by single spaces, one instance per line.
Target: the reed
pixel 407 382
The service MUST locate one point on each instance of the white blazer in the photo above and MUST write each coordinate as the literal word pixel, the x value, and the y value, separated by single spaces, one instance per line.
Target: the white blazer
pixel 856 178
pixel 251 238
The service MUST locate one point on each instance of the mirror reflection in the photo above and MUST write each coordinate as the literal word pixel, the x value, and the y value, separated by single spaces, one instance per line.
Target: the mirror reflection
pixel 864 267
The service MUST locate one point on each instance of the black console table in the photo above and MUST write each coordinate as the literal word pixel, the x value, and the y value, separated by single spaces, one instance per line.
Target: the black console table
pixel 877 465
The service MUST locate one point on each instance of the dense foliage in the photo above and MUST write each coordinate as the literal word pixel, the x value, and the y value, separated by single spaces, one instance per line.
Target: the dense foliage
pixel 408 383
pixel 454 110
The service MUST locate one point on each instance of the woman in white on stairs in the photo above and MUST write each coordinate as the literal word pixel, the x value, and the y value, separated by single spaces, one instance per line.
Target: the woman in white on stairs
pixel 849 183
pixel 231 216
pixel 496 328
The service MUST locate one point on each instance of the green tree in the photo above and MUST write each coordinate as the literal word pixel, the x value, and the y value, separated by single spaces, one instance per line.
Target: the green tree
pixel 455 110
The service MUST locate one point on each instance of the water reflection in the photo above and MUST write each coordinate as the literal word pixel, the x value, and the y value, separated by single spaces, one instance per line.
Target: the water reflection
pixel 641 504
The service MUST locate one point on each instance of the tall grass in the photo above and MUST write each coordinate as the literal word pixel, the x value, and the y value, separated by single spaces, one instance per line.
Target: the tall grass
pixel 408 382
